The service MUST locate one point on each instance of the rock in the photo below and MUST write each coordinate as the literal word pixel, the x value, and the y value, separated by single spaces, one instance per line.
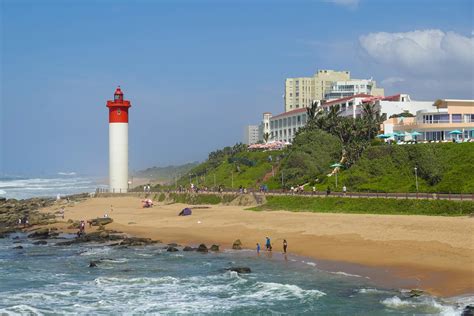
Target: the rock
pixel 135 241
pixel 240 269
pixel 173 245
pixel 172 249
pixel 18 247
pixel 468 311
pixel 40 242
pixel 237 245
pixel 214 248
pixel 415 293
pixel 101 221
pixel 104 235
pixel 43 233
pixel 202 248
pixel 93 264
pixel 187 248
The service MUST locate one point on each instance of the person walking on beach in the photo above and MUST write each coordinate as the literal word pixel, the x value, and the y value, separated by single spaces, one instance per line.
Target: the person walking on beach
pixel 258 248
pixel 268 244
pixel 285 245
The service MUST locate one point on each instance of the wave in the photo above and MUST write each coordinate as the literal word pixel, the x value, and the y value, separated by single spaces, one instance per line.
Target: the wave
pixel 346 274
pixel 2 192
pixel 67 173
pixel 429 304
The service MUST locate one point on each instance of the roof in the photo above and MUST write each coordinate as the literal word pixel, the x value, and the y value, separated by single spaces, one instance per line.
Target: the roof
pixel 289 113
pixel 360 95
pixel 118 91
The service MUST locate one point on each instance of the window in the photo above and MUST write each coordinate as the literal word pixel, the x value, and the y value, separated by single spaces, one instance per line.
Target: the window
pixel 456 118
pixel 294 120
pixel 299 119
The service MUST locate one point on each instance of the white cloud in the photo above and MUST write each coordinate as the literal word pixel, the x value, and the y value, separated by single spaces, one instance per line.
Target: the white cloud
pixel 351 4
pixel 444 59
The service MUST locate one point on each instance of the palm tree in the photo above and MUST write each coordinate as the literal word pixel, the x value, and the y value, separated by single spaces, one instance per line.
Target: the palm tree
pixel 266 136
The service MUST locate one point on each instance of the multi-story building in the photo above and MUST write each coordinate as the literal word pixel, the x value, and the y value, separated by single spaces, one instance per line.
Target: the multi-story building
pixel 251 134
pixel 284 126
pixel 342 89
pixel 443 120
pixel 302 92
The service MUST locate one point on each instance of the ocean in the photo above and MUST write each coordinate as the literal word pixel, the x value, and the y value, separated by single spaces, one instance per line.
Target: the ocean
pixel 63 184
pixel 54 280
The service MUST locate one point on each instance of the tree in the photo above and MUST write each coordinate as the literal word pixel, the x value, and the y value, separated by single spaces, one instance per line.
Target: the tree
pixel 266 136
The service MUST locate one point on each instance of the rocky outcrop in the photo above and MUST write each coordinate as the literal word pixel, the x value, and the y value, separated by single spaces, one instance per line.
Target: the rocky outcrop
pixel 202 248
pixel 101 221
pixel 11 210
pixel 240 269
pixel 18 247
pixel 44 233
pixel 468 311
pixel 214 248
pixel 172 249
pixel 40 242
pixel 188 248
pixel 237 245
pixel 93 264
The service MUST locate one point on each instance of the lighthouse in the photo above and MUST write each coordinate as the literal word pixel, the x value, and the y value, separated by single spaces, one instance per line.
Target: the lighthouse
pixel 118 142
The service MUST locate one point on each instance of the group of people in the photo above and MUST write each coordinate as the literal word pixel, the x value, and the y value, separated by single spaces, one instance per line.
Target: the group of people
pixel 268 245
pixel 23 221
pixel 147 188
pixel 242 190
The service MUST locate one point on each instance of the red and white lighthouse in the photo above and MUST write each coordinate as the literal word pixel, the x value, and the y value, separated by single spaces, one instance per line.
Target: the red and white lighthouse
pixel 118 142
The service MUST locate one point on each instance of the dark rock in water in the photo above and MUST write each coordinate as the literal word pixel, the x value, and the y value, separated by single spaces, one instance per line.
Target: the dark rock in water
pixel 187 248
pixel 101 221
pixel 93 264
pixel 202 248
pixel 43 233
pixel 237 245
pixel 173 245
pixel 126 270
pixel 17 241
pixel 468 311
pixel 240 269
pixel 136 241
pixel 40 242
pixel 16 237
pixel 415 293
pixel 214 248
pixel 18 247
pixel 172 249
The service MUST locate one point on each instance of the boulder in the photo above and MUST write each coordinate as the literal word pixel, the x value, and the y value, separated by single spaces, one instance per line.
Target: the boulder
pixel 187 248
pixel 18 247
pixel 43 233
pixel 202 248
pixel 415 293
pixel 237 245
pixel 468 311
pixel 214 248
pixel 173 245
pixel 172 249
pixel 136 241
pixel 93 264
pixel 240 269
pixel 101 221
pixel 40 242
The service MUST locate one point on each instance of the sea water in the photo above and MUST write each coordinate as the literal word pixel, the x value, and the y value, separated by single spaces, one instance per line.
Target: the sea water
pixel 52 280
pixel 62 184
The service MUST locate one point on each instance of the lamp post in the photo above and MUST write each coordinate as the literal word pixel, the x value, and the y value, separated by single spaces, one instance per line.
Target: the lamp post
pixel 282 182
pixel 232 177
pixel 416 178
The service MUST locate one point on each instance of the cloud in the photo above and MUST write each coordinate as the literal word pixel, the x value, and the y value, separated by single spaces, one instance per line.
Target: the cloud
pixel 421 60
pixel 351 4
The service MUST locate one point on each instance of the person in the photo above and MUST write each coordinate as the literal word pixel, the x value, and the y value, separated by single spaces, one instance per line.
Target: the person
pixel 285 245
pixel 62 212
pixel 344 190
pixel 314 190
pixel 328 190
pixel 258 248
pixel 106 215
pixel 144 188
pixel 19 221
pixel 268 244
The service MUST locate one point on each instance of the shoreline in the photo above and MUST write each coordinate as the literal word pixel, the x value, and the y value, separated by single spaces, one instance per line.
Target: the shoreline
pixel 422 259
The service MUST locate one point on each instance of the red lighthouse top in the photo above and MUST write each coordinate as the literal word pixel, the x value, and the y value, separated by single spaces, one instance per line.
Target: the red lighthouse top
pixel 118 108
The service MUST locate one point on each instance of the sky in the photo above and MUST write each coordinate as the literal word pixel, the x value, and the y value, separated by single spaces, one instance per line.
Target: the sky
pixel 196 72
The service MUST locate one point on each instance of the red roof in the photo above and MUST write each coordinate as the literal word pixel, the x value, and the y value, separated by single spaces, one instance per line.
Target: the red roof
pixel 360 95
pixel 118 91
pixel 395 97
pixel 290 113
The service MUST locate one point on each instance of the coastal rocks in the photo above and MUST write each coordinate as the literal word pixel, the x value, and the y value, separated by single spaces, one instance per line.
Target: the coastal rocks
pixel 237 245
pixel 188 248
pixel 136 241
pixel 40 242
pixel 18 247
pixel 11 210
pixel 468 311
pixel 214 248
pixel 93 264
pixel 415 293
pixel 202 248
pixel 101 221
pixel 173 245
pixel 172 249
pixel 240 270
pixel 44 233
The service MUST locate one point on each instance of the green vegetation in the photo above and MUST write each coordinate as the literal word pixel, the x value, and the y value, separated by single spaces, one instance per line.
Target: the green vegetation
pixel 367 206
pixel 162 197
pixel 197 199
pixel 441 168
pixel 165 174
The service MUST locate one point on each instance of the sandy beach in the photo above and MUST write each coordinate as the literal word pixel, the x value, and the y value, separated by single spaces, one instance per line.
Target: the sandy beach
pixel 435 254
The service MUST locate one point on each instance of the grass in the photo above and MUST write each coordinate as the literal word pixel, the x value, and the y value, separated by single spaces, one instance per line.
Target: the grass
pixel 197 199
pixel 367 206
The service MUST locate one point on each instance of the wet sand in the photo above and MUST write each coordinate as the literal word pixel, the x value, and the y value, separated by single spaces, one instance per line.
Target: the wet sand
pixel 432 253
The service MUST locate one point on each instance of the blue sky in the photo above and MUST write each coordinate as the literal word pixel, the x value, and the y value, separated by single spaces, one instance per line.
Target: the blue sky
pixel 196 71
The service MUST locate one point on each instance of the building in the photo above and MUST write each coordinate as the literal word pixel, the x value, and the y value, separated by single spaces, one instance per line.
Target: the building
pixel 251 134
pixel 301 92
pixel 284 126
pixel 443 120
pixel 342 89
pixel 388 106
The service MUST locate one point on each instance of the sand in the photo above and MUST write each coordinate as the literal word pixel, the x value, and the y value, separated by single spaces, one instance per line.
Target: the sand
pixel 432 253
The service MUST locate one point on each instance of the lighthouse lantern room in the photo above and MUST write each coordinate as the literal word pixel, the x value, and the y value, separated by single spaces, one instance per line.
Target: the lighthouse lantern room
pixel 118 142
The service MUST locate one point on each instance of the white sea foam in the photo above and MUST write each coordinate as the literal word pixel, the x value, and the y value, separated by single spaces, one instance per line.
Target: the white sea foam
pixel 2 192
pixel 347 274
pixel 310 263
pixel 429 304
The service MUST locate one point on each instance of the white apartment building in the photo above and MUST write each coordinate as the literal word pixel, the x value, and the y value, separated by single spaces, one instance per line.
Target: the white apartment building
pixel 396 104
pixel 342 89
pixel 301 92
pixel 251 134
pixel 284 126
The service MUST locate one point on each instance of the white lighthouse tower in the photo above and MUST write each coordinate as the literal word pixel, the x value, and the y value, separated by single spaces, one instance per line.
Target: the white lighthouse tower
pixel 118 142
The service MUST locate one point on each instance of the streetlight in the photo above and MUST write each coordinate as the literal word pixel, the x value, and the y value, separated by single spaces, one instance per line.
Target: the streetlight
pixel 232 175
pixel 336 165
pixel 416 178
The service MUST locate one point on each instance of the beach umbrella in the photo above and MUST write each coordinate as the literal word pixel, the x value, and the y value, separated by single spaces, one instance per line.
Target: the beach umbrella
pixel 455 132
pixel 383 136
pixel 399 134
pixel 335 165
pixel 415 133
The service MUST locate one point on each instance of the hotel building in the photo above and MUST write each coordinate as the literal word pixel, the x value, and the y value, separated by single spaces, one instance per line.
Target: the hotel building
pixel 251 134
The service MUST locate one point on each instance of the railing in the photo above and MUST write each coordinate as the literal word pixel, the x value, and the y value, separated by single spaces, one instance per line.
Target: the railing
pixel 369 195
